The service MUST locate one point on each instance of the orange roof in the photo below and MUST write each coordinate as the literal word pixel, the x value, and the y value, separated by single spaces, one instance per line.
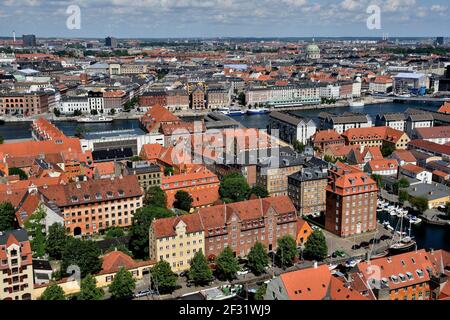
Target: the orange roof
pixel 115 260
pixel 404 270
pixel 104 168
pixel 412 168
pixel 373 133
pixel 326 135
pixel 166 227
pixel 317 284
pixel 445 108
pixel 114 94
pixel 384 164
pixel 156 116
pixel 404 155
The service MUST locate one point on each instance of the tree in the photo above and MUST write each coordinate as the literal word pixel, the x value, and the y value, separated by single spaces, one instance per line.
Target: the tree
pixel 89 290
pixel 403 196
pixel 19 172
pixel 377 179
pixel 259 192
pixel 403 183
pixel 155 196
pixel 77 113
pixel 183 201
pixel 258 259
pixel 286 252
pixel 112 111
pixel 94 112
pixel 227 265
pixel 56 112
pixel 2 139
pixel 299 146
pixel 387 149
pixel 200 272
pixel 168 171
pixel 261 292
pixel 163 277
pixel 234 188
pixel 420 203
pixel 119 247
pixel 81 253
pixel 139 229
pixel 114 232
pixel 123 285
pixel 7 216
pixel 241 98
pixel 316 246
pixel 56 241
pixel 53 292
pixel 36 230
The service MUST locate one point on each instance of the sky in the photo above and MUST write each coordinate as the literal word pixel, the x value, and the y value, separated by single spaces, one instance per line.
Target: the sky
pixel 224 18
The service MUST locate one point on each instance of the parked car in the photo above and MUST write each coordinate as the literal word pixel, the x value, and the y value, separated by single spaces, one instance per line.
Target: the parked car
pixel 338 254
pixel 243 272
pixel 144 293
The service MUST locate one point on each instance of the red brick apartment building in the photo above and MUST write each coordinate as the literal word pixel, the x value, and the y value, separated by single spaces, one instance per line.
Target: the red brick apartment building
pixel 240 225
pixel 26 104
pixel 351 202
pixel 237 225
pixel 94 205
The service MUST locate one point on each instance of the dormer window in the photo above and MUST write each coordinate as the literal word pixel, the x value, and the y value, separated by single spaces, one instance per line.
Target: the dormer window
pixel 394 279
pixel 87 197
pixel 109 194
pixel 74 199
pixel 98 196
pixel 402 277
pixel 409 275
pixel 420 273
pixel 121 193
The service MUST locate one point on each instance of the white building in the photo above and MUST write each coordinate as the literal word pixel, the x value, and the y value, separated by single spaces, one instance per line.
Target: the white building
pixel 292 128
pixel 418 120
pixel 330 91
pixel 417 172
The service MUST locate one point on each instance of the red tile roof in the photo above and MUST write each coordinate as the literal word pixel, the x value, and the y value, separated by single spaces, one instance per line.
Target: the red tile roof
pixel 433 132
pixel 326 136
pixel 404 155
pixel 373 133
pixel 411 266
pixel 166 227
pixel 412 168
pixel 445 108
pixel 113 261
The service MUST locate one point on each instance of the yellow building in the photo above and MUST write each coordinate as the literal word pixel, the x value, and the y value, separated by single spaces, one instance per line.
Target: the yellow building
pixel 176 240
pixel 274 178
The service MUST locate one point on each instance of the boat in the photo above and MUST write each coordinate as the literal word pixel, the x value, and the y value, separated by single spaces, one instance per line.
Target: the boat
pixel 258 111
pixel 393 213
pixel 232 111
pixel 355 104
pixel 389 227
pixel 379 255
pixel 401 241
pixel 332 266
pixel 95 119
pixel 413 219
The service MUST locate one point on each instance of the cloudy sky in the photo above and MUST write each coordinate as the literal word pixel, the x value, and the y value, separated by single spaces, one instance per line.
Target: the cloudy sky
pixel 213 18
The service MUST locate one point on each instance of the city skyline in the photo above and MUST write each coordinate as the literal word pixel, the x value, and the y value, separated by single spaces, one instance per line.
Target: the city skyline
pixel 230 18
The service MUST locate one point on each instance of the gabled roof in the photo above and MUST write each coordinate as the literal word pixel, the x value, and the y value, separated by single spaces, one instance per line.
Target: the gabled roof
pixel 113 261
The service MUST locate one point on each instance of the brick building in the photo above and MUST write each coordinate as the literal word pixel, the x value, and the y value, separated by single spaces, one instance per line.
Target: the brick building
pixel 26 104
pixel 351 202
pixel 94 205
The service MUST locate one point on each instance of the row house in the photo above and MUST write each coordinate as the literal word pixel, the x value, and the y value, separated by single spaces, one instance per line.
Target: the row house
pixel 323 139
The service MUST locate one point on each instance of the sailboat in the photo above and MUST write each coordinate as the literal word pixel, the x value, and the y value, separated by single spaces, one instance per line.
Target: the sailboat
pixel 402 242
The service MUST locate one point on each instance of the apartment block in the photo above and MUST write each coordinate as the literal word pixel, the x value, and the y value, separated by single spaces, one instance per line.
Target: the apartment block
pixel 16 266
pixel 351 202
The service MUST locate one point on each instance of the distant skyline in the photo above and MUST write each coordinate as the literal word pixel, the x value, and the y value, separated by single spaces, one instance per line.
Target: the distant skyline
pixel 225 18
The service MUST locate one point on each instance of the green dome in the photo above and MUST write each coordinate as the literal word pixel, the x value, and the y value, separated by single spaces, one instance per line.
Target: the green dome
pixel 312 48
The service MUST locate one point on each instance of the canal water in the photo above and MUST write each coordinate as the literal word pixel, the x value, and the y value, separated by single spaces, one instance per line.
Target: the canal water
pixel 427 236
